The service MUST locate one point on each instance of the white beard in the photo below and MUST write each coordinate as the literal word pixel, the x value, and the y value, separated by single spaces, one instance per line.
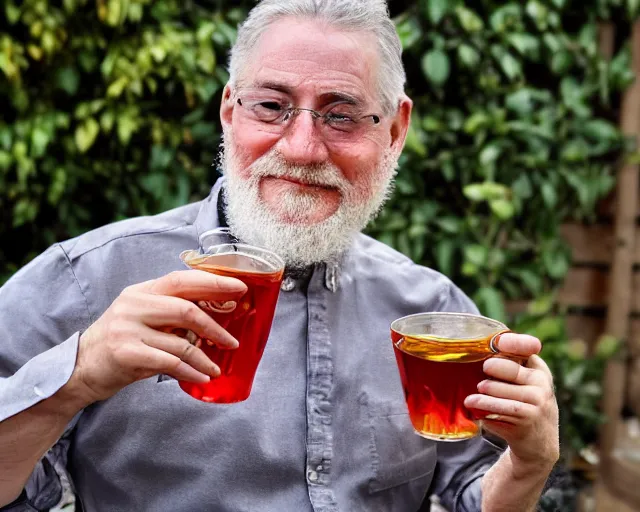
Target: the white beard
pixel 300 244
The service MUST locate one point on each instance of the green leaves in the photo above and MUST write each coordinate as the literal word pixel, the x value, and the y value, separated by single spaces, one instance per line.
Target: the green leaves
pixel 436 10
pixel 436 67
pixel 469 20
pixel 86 134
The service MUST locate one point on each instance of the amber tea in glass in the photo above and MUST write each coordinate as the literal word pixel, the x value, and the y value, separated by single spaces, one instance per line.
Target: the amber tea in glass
pixel 440 358
pixel 249 320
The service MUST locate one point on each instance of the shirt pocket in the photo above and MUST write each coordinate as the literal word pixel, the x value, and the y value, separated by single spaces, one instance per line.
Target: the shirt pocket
pixel 398 454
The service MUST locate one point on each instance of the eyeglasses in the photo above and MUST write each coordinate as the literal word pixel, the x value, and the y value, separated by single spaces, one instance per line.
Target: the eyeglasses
pixel 339 121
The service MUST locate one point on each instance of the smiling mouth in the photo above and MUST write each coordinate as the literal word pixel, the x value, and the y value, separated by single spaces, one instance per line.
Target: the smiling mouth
pixel 304 184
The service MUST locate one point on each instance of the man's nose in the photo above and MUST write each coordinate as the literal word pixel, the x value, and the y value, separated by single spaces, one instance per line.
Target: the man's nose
pixel 302 142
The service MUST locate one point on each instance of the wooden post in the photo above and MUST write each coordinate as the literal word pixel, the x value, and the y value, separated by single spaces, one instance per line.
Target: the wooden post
pixel 620 293
pixel 620 290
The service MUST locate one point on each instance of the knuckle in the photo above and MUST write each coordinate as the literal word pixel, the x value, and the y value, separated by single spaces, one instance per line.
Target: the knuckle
pixel 515 409
pixel 119 309
pixel 537 396
pixel 124 354
pixel 116 330
pixel 174 279
pixel 191 314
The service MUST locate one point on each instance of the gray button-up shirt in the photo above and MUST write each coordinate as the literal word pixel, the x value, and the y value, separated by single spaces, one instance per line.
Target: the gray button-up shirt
pixel 325 428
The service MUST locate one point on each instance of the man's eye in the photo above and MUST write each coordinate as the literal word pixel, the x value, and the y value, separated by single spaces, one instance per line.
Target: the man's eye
pixel 270 105
pixel 337 118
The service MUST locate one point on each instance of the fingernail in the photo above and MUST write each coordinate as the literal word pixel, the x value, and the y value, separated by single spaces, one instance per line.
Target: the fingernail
pixel 214 371
pixel 491 416
pixel 488 364
pixel 230 342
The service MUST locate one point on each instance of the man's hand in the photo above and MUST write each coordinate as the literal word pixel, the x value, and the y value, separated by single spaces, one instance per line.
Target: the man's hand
pixel 132 340
pixel 520 405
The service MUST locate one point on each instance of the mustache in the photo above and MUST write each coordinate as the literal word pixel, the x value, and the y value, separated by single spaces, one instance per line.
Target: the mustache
pixel 273 165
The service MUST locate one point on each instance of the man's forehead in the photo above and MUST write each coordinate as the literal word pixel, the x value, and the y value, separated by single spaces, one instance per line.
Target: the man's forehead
pixel 297 54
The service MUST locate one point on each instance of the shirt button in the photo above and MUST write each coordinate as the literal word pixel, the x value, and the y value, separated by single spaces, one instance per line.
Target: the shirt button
pixel 288 284
pixel 312 476
pixel 38 391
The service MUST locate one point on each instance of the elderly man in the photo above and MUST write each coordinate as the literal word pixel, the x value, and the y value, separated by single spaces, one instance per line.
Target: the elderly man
pixel 314 120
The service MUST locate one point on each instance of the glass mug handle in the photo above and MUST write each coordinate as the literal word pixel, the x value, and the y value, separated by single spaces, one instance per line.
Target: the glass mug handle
pixel 494 347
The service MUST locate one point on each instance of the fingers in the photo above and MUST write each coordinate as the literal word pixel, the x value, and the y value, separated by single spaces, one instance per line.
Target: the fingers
pixel 537 363
pixel 500 406
pixel 522 345
pixel 533 395
pixel 187 353
pixel 510 371
pixel 151 361
pixel 164 311
pixel 195 285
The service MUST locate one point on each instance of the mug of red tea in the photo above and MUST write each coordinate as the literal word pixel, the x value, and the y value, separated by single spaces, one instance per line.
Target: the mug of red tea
pixel 440 357
pixel 248 320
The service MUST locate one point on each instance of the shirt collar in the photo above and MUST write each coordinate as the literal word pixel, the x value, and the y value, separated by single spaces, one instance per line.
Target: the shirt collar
pixel 212 215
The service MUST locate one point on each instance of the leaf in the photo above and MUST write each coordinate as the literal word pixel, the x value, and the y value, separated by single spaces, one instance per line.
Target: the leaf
pixel 521 187
pixel 502 208
pixel 414 141
pixel 449 224
pixel 12 13
pixel 24 211
pixel 549 195
pixel 477 121
pixel 436 10
pixel 435 66
pixel 574 378
pixel 561 62
pixel 86 134
pixel 556 263
pixel 599 129
pixel 409 31
pixel 526 44
pixel 39 142
pixel 490 154
pixel 489 301
pixel 444 252
pixel 469 20
pixel 486 191
pixel 607 347
pixel 68 80
pixel 476 254
pixel 468 55
pixel 510 65
pixel 117 87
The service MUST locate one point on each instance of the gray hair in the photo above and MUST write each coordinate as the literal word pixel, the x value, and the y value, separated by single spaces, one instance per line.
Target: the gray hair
pixel 370 16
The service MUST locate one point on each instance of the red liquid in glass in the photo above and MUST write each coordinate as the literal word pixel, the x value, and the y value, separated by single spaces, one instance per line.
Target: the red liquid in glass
pixel 437 375
pixel 250 323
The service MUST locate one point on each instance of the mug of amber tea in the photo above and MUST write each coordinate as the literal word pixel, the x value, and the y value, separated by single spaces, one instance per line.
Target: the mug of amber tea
pixel 440 358
pixel 248 320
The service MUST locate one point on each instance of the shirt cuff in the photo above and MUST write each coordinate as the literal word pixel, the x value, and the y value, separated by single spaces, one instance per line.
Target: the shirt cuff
pixel 38 379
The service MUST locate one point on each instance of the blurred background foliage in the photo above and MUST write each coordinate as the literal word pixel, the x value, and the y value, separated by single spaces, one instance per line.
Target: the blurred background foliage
pixel 110 110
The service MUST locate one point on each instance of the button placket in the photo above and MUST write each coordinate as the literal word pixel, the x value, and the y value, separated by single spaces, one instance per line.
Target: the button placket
pixel 319 406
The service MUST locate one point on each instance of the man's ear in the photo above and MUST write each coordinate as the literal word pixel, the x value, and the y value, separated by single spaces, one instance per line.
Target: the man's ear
pixel 226 108
pixel 400 124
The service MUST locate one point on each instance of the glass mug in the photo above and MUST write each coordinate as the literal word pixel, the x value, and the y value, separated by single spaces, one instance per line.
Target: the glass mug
pixel 248 320
pixel 440 358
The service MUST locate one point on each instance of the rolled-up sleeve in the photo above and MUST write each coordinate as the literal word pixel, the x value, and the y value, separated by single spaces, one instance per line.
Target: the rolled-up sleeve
pixel 42 312
pixel 38 379
pixel 459 472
